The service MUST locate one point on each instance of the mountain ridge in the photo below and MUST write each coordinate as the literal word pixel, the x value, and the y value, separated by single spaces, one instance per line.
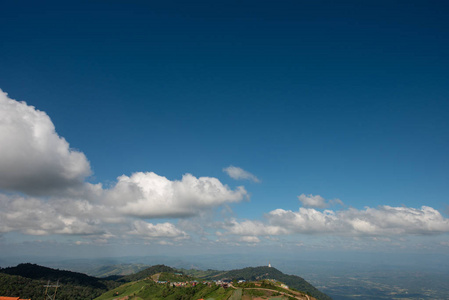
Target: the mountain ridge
pixel 28 280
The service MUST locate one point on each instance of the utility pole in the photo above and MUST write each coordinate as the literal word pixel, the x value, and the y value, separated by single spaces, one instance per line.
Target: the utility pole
pixel 48 288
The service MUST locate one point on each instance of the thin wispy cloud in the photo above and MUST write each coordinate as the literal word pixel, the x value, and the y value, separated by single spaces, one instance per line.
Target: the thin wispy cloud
pixel 240 174
pixel 250 239
pixel 155 231
pixel 317 201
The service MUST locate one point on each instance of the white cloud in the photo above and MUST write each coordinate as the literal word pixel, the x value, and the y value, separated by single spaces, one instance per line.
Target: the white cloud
pixel 150 195
pixel 383 221
pixel 33 216
pixel 238 173
pixel 161 230
pixel 252 228
pixel 317 201
pixel 94 211
pixel 307 220
pixel 34 159
pixel 312 201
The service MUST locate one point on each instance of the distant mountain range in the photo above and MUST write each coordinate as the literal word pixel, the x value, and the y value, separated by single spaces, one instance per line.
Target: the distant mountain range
pixel 28 280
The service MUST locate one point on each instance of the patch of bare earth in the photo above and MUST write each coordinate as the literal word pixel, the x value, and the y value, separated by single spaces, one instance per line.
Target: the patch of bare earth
pixel 155 277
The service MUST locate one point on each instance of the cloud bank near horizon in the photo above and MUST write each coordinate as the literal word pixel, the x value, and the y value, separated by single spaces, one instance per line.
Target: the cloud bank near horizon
pixel 46 192
pixel 383 221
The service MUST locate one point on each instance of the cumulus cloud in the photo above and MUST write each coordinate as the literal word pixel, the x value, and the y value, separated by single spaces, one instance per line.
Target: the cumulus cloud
pixel 252 228
pixel 150 195
pixel 384 220
pixel 238 173
pixel 317 201
pixel 307 220
pixel 312 201
pixel 34 158
pixel 381 221
pixel 53 196
pixel 95 210
pixel 161 230
pixel 33 216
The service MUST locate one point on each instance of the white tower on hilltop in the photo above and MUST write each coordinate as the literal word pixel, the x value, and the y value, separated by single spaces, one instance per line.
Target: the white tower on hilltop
pixel 269 265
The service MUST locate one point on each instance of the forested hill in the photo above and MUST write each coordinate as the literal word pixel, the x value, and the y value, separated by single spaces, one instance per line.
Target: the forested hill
pixel 147 273
pixel 258 273
pixel 37 272
pixel 28 280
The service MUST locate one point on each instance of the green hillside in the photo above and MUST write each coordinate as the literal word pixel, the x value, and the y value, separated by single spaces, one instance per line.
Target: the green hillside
pixel 116 271
pixel 148 289
pixel 148 272
pixel 34 271
pixel 260 282
pixel 259 273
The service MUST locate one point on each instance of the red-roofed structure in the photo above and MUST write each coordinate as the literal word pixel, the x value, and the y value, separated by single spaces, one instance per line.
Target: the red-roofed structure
pixel 11 298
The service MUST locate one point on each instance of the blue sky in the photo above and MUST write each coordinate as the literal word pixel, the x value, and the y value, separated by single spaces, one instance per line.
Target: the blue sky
pixel 335 117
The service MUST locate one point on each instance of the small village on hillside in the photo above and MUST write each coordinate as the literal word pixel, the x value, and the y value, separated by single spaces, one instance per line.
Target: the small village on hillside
pixel 230 288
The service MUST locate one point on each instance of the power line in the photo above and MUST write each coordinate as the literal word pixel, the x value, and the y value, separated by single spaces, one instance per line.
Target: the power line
pixel 48 288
